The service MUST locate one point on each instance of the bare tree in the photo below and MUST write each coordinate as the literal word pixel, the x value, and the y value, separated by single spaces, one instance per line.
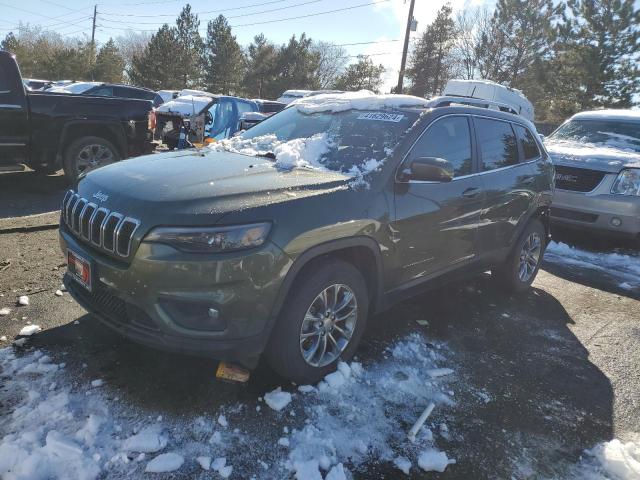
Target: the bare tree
pixel 132 44
pixel 332 62
pixel 470 25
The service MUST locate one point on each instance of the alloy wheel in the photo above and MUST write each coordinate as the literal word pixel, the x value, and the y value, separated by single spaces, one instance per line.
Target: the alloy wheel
pixel 328 325
pixel 93 156
pixel 529 257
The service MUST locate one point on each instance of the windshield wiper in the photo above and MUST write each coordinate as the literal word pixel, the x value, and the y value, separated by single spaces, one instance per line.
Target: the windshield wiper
pixel 270 155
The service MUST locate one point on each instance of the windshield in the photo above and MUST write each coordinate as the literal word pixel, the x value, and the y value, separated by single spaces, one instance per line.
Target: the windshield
pixel 616 134
pixel 349 141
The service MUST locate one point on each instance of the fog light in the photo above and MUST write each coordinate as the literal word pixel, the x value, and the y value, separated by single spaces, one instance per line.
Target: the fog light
pixel 616 222
pixel 193 314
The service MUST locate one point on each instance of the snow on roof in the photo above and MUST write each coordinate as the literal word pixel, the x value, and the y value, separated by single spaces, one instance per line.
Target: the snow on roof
pixel 296 93
pixel 76 87
pixel 361 100
pixel 186 105
pixel 611 114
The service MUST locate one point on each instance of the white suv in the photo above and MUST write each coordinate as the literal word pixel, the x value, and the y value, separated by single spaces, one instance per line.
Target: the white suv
pixel 597 161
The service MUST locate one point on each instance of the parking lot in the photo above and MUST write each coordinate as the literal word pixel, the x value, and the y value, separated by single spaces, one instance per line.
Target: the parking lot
pixel 535 379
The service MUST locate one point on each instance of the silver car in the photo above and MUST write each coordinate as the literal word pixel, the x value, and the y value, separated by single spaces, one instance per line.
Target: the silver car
pixel 597 164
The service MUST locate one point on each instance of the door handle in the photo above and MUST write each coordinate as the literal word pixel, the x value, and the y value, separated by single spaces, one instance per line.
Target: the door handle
pixel 471 192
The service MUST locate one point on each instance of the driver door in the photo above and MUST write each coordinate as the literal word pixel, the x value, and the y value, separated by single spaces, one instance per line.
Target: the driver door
pixel 436 223
pixel 14 117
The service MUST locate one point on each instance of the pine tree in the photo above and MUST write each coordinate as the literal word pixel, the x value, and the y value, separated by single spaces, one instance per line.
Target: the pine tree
pixel 604 49
pixel 430 64
pixel 223 58
pixel 295 67
pixel 362 75
pixel 191 46
pixel 156 68
pixel 260 69
pixel 109 63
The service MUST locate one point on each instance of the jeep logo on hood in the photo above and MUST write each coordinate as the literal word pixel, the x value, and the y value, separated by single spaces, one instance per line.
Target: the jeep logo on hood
pixel 103 197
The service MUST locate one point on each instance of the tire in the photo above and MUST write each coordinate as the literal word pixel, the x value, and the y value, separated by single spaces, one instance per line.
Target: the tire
pixel 88 153
pixel 285 350
pixel 510 275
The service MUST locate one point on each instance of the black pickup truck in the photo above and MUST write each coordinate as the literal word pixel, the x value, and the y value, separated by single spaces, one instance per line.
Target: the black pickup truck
pixel 49 131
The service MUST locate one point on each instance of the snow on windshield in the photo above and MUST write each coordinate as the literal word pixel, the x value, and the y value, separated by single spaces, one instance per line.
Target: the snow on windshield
pixel 361 100
pixel 600 136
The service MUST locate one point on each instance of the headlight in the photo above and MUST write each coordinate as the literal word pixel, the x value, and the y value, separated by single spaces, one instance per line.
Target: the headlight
pixel 628 182
pixel 211 239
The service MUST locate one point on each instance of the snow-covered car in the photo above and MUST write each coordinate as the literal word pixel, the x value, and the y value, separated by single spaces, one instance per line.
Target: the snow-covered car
pixel 100 89
pixel 168 95
pixel 36 85
pixel 597 172
pixel 209 116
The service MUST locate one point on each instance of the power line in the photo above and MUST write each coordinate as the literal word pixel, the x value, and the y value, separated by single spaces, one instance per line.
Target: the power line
pixel 365 43
pixel 261 4
pixel 233 16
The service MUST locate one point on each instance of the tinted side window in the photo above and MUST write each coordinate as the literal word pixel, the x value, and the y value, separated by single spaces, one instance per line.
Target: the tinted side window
pixel 529 144
pixel 245 107
pixel 497 143
pixel 4 80
pixel 101 92
pixel 447 138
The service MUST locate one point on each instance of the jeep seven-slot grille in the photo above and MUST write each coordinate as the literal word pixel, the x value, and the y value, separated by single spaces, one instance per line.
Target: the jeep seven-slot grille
pixel 107 230
pixel 577 179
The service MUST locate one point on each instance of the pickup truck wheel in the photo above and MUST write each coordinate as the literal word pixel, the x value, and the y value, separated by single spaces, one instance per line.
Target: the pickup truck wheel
pixel 321 323
pixel 522 265
pixel 88 153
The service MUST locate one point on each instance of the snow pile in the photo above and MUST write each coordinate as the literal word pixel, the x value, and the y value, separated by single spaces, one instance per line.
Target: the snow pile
pixel 165 462
pixel 299 152
pixel 23 300
pixel 432 460
pixel 613 460
pixel 360 100
pixel 624 267
pixel 358 413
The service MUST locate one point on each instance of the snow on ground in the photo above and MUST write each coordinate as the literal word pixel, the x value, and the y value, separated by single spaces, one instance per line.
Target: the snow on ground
pixel 613 460
pixel 54 426
pixel 624 267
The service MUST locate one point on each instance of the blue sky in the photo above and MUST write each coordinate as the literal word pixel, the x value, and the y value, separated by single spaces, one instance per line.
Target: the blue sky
pixel 381 21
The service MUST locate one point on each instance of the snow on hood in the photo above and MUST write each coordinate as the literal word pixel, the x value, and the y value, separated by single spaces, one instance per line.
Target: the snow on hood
pixel 598 155
pixel 296 153
pixel 361 100
pixel 186 105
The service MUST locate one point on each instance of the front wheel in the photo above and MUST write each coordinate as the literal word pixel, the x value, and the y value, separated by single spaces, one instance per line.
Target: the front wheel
pixel 519 271
pixel 86 154
pixel 321 323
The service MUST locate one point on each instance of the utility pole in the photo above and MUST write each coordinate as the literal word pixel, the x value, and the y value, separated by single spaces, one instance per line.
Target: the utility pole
pixel 406 47
pixel 93 29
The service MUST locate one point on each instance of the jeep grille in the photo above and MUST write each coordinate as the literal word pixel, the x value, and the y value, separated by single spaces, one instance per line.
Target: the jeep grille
pixel 107 230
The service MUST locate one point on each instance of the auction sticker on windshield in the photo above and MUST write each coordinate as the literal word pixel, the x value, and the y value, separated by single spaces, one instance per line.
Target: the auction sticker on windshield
pixel 381 116
pixel 79 269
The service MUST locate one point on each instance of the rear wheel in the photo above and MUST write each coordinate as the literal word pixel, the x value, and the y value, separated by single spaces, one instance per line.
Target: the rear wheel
pixel 522 265
pixel 321 323
pixel 86 154
pixel 44 169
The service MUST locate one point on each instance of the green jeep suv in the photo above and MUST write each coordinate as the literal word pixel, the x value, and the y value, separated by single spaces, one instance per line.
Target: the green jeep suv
pixel 283 240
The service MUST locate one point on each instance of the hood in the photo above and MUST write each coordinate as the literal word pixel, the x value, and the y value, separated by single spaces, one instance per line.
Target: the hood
pixel 592 156
pixel 175 186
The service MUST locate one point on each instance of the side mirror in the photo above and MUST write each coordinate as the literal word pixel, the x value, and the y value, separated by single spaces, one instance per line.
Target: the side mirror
pixel 541 137
pixel 428 169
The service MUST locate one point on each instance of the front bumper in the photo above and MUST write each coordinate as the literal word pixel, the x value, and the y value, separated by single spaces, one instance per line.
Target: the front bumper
pixel 598 210
pixel 146 299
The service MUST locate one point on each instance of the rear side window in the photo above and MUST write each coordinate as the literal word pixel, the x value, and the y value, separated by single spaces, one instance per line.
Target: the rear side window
pixel 102 92
pixel 497 143
pixel 447 138
pixel 529 144
pixel 4 81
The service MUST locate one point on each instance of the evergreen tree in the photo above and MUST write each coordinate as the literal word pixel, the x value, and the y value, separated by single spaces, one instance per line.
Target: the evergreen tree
pixel 156 68
pixel 109 63
pixel 191 46
pixel 260 69
pixel 603 50
pixel 362 75
pixel 295 67
pixel 431 62
pixel 223 58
